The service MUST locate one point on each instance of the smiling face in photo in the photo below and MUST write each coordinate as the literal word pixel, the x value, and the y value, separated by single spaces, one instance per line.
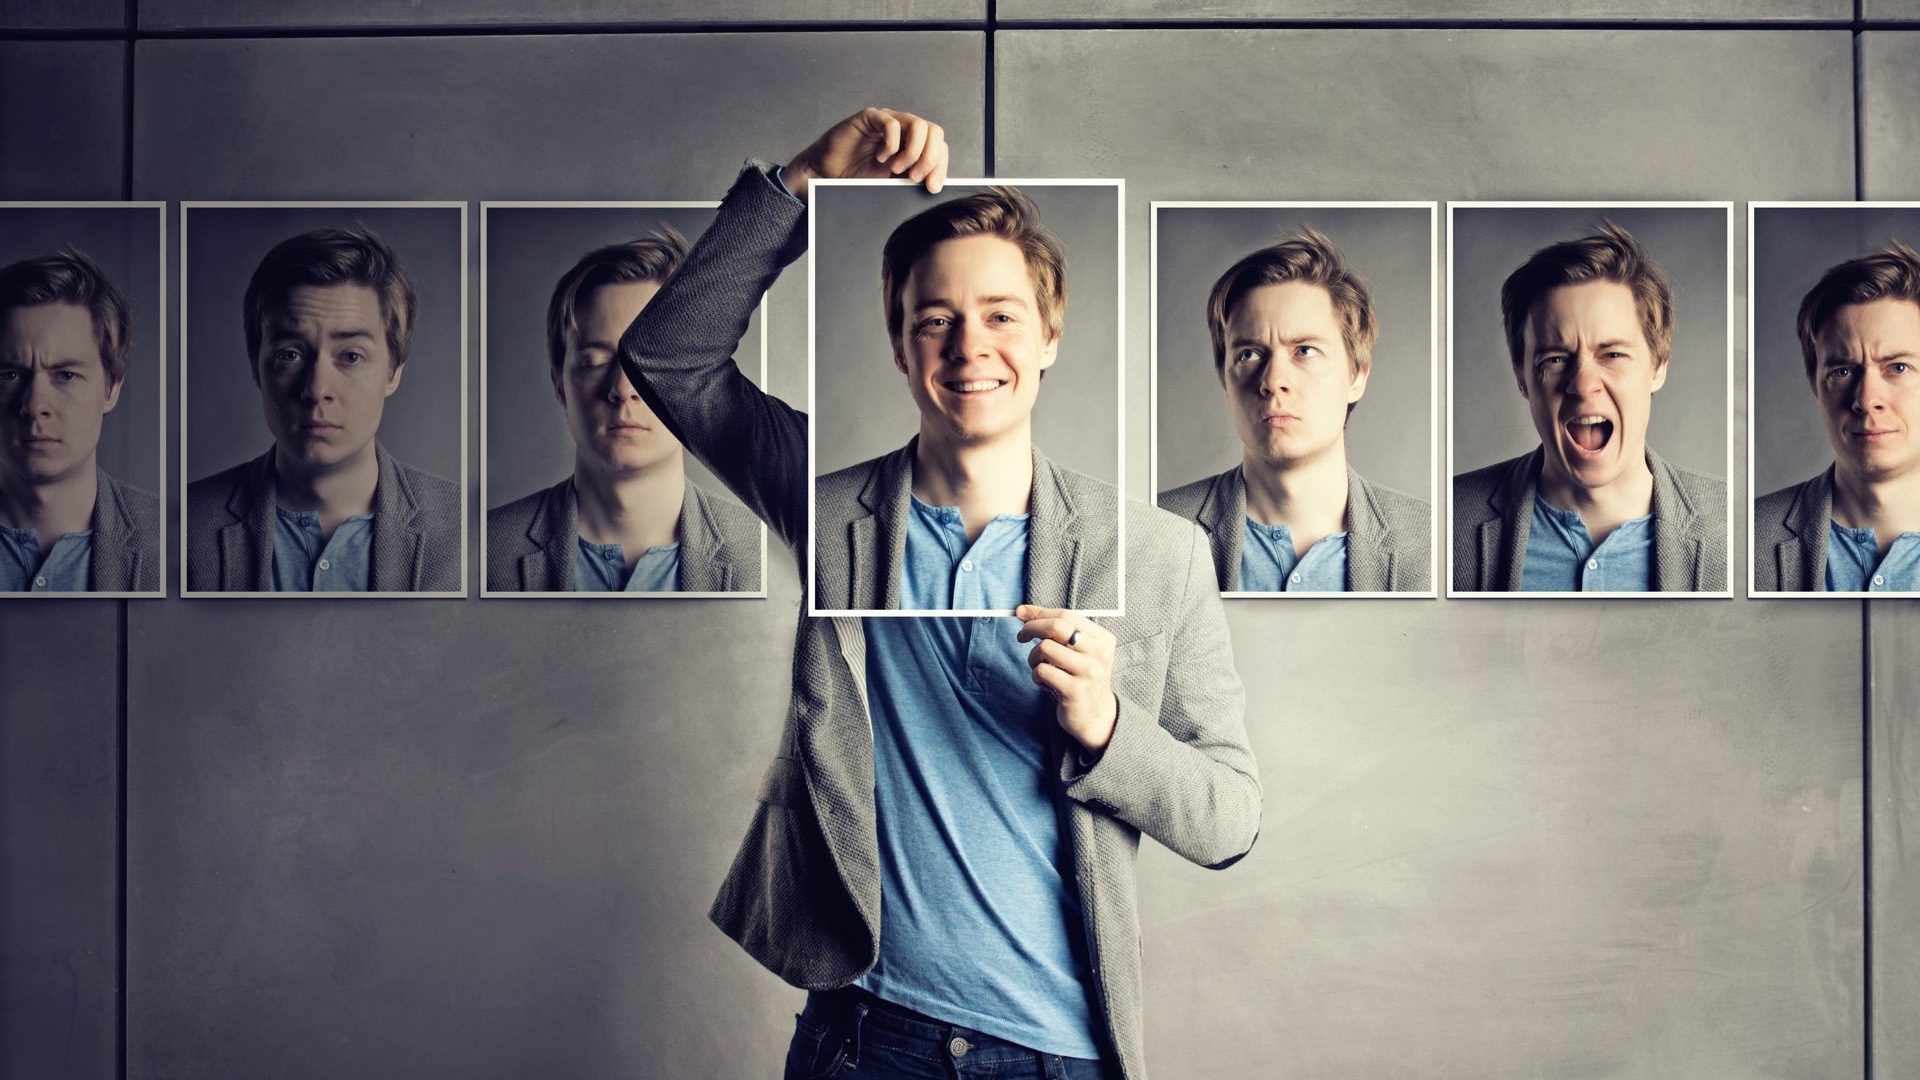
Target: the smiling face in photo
pixel 325 372
pixel 613 430
pixel 974 342
pixel 1589 376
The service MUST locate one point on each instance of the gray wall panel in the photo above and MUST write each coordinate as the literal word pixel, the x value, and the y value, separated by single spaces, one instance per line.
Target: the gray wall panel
pixel 1890 166
pixel 1743 11
pixel 1512 839
pixel 1889 124
pixel 59 837
pixel 63 14
pixel 302 14
pixel 59 713
pixel 1890 10
pixel 473 838
pixel 1421 114
pixel 1894 728
pixel 70 152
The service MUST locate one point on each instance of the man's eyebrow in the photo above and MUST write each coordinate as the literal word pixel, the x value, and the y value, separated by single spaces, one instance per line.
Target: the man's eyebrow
pixel 596 343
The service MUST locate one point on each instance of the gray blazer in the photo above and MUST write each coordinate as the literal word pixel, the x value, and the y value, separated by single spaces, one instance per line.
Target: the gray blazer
pixel 803 894
pixel 1790 537
pixel 1389 535
pixel 416 529
pixel 1493 508
pixel 126 539
pixel 531 543
pixel 861 532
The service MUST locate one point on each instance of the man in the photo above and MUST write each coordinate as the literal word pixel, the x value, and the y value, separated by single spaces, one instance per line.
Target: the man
pixel 626 520
pixel 329 317
pixel 1293 334
pixel 1856 526
pixel 65 525
pixel 1589 326
pixel 986 796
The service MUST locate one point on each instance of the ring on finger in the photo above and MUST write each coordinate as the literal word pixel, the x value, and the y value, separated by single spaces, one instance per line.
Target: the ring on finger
pixel 1073 637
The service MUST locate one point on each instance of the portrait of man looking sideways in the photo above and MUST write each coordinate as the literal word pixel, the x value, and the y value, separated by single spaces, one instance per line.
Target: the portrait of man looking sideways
pixel 1293 331
pixel 1856 526
pixel 65 525
pixel 944 847
pixel 1589 331
pixel 328 318
pixel 627 520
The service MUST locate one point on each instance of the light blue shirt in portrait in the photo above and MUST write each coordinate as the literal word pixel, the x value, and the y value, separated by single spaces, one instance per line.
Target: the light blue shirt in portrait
pixel 980 925
pixel 64 569
pixel 1854 563
pixel 305 561
pixel 1561 556
pixel 1268 562
pixel 603 568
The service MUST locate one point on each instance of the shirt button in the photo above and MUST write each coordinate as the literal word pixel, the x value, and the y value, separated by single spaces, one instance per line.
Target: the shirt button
pixel 1593 564
pixel 1878 579
pixel 958 1047
pixel 326 564
pixel 41 582
pixel 1294 580
pixel 966 565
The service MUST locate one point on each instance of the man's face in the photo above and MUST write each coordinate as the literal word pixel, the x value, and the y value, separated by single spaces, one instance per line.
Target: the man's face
pixel 1588 375
pixel 1287 375
pixel 54 391
pixel 613 430
pixel 1867 377
pixel 972 343
pixel 324 373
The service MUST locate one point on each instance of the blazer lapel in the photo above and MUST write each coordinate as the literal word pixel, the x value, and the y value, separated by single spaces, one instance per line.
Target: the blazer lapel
pixel 1676 548
pixel 554 531
pixel 705 563
pixel 115 564
pixel 246 543
pixel 397 542
pixel 1222 517
pixel 1053 540
pixel 1803 558
pixel 1503 541
pixel 1369 558
pixel 877 540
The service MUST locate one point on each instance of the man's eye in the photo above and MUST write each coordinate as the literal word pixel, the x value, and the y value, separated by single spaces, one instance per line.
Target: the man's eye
pixel 1247 356
pixel 1839 373
pixel 286 356
pixel 352 356
pixel 67 376
pixel 1000 317
pixel 1549 361
pixel 1306 350
pixel 10 375
pixel 1899 367
pixel 932 322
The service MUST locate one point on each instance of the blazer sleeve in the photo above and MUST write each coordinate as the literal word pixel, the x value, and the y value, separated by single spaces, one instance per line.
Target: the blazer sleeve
pixel 678 353
pixel 1183 775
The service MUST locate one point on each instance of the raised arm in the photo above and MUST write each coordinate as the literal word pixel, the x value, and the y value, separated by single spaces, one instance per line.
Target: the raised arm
pixel 678 353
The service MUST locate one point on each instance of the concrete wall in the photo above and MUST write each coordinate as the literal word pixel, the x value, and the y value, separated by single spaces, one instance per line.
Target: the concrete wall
pixel 473 838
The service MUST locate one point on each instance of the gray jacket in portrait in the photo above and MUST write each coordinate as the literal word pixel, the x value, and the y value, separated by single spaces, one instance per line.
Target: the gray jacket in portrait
pixel 126 538
pixel 416 529
pixel 861 523
pixel 1389 535
pixel 1790 536
pixel 1493 510
pixel 803 894
pixel 531 543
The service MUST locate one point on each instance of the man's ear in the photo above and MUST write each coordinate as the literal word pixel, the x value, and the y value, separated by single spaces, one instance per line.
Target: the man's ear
pixel 393 378
pixel 899 359
pixel 1049 352
pixel 1358 387
pixel 113 394
pixel 1660 375
pixel 559 393
pixel 1520 381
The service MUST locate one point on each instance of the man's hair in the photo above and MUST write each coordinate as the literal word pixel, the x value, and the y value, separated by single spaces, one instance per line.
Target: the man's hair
pixel 653 257
pixel 1004 212
pixel 355 256
pixel 68 276
pixel 1889 273
pixel 1611 254
pixel 1309 257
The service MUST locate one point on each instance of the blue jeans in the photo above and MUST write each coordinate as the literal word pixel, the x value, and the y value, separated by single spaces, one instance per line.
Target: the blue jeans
pixel 850 1033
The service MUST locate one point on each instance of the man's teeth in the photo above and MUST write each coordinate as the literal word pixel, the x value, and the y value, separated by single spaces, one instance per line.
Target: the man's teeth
pixel 1588 420
pixel 974 386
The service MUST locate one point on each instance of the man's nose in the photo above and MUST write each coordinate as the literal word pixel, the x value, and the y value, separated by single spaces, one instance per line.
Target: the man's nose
pixel 1275 377
pixel 1869 390
pixel 317 381
pixel 36 397
pixel 619 387
pixel 965 339
pixel 1584 377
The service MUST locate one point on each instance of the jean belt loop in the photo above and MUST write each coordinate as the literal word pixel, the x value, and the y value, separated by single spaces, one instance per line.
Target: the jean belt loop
pixel 853 1045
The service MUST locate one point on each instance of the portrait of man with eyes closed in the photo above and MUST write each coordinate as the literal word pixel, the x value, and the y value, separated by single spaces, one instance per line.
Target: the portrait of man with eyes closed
pixel 1293 329
pixel 328 319
pixel 1589 328
pixel 1855 527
